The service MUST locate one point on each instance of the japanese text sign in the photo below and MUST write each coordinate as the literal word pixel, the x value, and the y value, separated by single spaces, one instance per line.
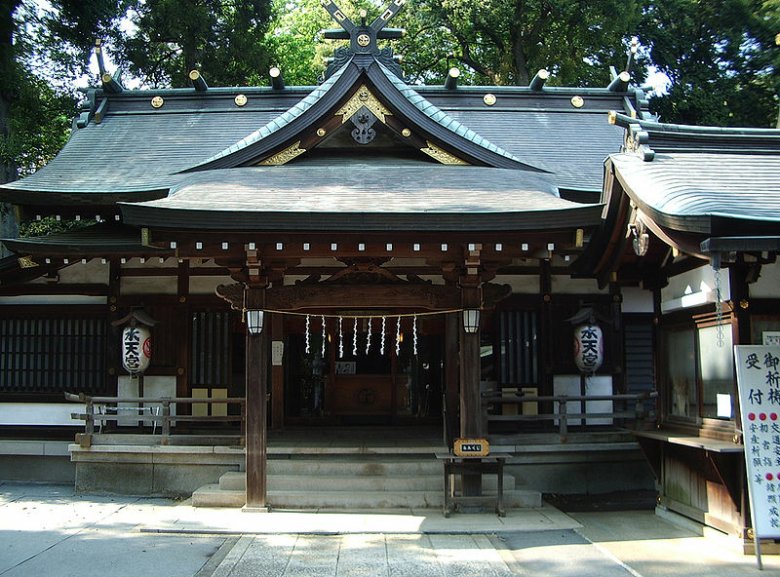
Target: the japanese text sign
pixel 758 381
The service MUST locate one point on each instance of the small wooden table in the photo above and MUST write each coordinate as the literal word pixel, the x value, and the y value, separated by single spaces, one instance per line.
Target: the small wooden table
pixel 454 465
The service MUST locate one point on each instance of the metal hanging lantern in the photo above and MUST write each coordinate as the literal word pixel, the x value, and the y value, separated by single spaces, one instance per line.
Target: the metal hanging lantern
pixel 471 320
pixel 254 321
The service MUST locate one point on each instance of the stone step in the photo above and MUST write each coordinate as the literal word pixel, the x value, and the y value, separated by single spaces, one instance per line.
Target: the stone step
pixel 212 496
pixel 354 467
pixel 236 481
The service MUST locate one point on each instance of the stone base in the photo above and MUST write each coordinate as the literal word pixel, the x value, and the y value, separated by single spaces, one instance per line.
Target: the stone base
pixel 151 470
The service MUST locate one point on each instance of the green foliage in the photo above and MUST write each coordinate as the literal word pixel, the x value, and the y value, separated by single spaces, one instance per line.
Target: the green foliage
pixel 294 39
pixel 507 41
pixel 38 44
pixel 40 121
pixel 49 225
pixel 720 58
pixel 221 38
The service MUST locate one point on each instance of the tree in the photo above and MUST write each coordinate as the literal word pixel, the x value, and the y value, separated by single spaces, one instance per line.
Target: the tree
pixel 224 39
pixel 508 41
pixel 294 38
pixel 719 57
pixel 34 117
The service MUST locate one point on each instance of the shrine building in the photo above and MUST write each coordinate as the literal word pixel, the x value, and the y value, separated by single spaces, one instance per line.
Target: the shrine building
pixel 274 292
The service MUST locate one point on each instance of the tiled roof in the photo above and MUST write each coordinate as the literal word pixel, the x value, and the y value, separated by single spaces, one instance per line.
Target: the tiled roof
pixel 140 150
pixel 432 197
pixel 686 190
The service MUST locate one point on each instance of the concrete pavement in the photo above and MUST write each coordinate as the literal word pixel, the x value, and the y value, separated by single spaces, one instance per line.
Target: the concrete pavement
pixel 47 531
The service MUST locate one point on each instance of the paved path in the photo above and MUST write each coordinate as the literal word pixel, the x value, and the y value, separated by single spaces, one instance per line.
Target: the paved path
pixel 48 531
pixel 361 555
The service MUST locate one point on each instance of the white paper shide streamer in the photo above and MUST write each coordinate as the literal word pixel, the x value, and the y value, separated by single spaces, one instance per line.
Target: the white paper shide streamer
pixel 414 334
pixel 341 340
pixel 398 336
pixel 354 338
pixel 382 340
pixel 324 336
pixel 308 334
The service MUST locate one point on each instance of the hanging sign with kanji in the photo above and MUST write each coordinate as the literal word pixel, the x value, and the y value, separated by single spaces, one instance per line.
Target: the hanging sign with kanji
pixel 758 381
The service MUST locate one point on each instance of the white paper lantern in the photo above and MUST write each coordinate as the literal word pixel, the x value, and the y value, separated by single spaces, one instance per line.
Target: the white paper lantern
pixel 588 348
pixel 136 349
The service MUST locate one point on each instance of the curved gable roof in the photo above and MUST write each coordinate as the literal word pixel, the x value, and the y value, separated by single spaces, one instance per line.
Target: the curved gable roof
pixel 403 110
pixel 694 179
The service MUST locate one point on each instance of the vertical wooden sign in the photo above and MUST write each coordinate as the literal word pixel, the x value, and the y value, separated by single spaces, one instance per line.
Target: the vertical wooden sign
pixel 758 382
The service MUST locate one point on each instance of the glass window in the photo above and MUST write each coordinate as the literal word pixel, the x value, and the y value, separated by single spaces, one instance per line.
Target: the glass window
pixel 716 364
pixel 680 366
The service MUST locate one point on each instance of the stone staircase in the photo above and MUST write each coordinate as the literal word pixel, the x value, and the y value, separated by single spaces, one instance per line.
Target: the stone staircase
pixel 352 482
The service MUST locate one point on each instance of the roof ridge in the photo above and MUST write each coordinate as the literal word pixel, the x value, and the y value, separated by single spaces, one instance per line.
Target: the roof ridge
pixel 277 123
pixel 445 120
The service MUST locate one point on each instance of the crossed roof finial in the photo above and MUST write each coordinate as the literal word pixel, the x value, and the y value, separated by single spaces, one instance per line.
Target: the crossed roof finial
pixel 363 37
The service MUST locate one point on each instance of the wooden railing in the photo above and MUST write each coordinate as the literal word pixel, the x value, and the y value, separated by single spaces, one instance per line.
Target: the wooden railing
pixel 157 411
pixel 627 409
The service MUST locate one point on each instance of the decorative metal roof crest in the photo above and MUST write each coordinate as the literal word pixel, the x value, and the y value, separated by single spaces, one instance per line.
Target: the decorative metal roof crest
pixel 363 37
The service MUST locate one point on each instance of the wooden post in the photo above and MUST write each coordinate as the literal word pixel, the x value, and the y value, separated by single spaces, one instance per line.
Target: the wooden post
pixel 256 408
pixel 451 375
pixel 470 399
pixel 277 376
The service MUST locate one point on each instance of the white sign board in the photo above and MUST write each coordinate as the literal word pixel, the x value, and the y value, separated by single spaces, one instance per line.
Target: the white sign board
pixel 758 381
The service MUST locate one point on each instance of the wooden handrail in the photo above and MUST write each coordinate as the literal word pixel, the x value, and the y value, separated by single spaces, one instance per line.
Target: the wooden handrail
pixel 496 397
pixel 164 417
pixel 81 398
pixel 493 397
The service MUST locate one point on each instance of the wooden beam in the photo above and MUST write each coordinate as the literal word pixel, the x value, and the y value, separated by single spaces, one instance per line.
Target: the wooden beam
pixel 407 296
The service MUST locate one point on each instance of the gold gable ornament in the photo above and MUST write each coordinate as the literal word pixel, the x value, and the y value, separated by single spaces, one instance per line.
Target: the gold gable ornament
pixel 284 156
pixel 363 97
pixel 442 155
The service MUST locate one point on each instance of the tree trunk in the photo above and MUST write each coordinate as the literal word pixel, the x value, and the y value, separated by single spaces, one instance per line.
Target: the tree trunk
pixel 8 75
pixel 8 169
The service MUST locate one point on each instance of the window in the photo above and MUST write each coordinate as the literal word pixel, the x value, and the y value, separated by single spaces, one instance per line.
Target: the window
pixel 41 354
pixel 680 367
pixel 716 362
pixel 518 348
pixel 211 348
pixel 697 368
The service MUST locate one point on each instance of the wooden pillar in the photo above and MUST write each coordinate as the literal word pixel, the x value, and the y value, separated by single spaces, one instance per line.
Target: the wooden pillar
pixel 256 407
pixel 470 400
pixel 114 337
pixel 618 341
pixel 452 322
pixel 740 299
pixel 184 329
pixel 546 329
pixel 277 376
